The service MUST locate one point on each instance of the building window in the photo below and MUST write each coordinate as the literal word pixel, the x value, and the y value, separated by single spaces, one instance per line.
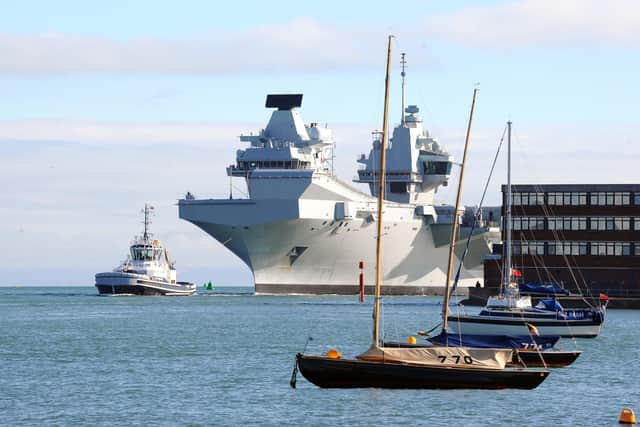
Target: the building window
pixel 527 223
pixel 554 198
pixel 567 223
pixel 567 248
pixel 619 198
pixel 611 223
pixel 611 248
pixel 527 199
pixel 577 199
pixel 527 248
pixel 636 199
pixel 567 198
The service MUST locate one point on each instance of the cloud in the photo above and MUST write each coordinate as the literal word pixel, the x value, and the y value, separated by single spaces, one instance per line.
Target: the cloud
pixel 548 23
pixel 308 45
pixel 105 132
pixel 301 44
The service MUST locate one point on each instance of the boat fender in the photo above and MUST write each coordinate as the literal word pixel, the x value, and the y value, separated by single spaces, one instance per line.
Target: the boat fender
pixel 627 416
pixel 294 373
pixel 411 340
pixel 333 354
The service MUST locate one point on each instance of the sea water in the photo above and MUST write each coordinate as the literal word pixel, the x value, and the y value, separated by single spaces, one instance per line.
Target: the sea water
pixel 70 357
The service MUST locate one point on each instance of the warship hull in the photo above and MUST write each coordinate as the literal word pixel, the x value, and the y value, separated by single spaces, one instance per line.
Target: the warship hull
pixel 299 247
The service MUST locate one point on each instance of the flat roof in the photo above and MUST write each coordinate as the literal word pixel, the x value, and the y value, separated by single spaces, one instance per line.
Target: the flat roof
pixel 539 188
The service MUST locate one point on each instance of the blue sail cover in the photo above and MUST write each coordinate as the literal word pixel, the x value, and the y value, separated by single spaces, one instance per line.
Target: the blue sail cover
pixel 549 304
pixel 494 341
pixel 542 288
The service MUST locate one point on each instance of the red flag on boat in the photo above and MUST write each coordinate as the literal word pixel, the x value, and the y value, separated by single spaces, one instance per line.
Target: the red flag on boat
pixel 604 297
pixel 516 273
pixel 533 329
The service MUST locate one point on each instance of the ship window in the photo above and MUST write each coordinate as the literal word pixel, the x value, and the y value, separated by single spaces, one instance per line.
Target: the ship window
pixel 436 168
pixel 398 187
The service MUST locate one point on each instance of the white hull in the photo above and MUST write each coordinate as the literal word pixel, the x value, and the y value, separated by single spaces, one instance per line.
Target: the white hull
pixel 468 325
pixel 291 249
pixel 118 283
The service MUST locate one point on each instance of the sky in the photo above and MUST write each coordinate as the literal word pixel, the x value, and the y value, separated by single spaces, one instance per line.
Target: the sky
pixel 104 107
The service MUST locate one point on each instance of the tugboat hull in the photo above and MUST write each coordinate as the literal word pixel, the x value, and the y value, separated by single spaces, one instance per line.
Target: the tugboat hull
pixel 137 284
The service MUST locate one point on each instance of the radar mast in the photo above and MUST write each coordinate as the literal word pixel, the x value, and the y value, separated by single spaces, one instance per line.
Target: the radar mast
pixel 148 210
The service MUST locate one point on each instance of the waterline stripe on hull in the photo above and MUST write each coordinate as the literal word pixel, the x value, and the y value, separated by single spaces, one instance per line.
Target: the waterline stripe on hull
pixel 564 329
pixel 323 289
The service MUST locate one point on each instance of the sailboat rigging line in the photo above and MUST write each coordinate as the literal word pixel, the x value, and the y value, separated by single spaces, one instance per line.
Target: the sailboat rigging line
pixel 477 213
pixel 383 156
pixel 454 227
pixel 424 334
pixel 560 237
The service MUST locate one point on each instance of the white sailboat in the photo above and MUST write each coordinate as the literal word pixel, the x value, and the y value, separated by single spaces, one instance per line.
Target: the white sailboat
pixel 509 313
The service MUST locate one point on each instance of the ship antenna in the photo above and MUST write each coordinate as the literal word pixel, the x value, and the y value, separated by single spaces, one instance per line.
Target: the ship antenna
pixel 403 74
pixel 147 220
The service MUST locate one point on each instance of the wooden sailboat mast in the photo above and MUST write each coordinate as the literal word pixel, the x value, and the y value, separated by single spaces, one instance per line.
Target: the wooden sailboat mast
pixel 454 228
pixel 383 158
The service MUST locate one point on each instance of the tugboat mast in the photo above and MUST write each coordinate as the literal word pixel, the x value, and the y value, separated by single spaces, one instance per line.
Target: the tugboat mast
pixel 147 220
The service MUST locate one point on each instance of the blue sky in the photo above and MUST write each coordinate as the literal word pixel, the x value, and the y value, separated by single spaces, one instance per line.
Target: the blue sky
pixel 106 106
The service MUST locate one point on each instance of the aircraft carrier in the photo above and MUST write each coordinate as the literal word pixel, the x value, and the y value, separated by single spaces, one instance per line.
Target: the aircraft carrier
pixel 302 230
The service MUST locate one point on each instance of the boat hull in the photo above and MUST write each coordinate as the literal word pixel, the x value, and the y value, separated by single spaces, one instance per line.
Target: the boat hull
pixel 495 325
pixel 136 284
pixel 343 373
pixel 546 359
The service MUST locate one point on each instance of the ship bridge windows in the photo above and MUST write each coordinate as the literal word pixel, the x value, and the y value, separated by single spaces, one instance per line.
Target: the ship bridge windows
pixel 273 164
pixel 145 253
pixel 432 167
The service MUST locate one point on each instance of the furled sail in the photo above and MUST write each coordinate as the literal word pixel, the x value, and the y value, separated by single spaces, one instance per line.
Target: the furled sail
pixel 481 358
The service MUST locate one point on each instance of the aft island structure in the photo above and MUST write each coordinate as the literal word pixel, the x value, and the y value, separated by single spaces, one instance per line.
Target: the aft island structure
pixel 302 230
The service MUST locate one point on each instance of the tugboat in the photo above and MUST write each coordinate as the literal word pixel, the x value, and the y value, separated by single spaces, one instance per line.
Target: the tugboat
pixel 146 271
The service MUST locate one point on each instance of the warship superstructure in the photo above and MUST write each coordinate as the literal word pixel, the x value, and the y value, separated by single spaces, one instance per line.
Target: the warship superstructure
pixel 302 230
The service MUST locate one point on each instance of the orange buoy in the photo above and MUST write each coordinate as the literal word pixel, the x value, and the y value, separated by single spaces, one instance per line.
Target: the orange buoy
pixel 411 340
pixel 333 354
pixel 627 416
